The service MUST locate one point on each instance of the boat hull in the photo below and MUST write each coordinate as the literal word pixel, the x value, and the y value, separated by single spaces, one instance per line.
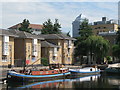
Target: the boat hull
pixel 84 71
pixel 112 71
pixel 12 76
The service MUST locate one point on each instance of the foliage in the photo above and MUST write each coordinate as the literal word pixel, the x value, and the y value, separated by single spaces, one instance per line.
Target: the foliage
pixel 25 26
pixel 118 36
pixel 116 47
pixel 44 61
pixel 109 58
pixel 85 29
pixel 68 34
pixel 116 51
pixel 50 28
pixel 96 45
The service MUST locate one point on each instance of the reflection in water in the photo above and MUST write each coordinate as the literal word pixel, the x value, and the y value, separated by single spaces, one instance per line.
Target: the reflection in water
pixel 93 81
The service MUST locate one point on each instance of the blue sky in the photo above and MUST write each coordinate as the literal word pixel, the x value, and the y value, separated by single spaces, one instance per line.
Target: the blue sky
pixel 66 12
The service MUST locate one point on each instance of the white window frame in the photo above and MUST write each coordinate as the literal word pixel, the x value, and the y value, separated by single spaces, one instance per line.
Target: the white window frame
pixel 4 59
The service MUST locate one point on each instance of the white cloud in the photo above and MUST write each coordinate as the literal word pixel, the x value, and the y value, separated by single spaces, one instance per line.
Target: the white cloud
pixel 38 12
pixel 59 0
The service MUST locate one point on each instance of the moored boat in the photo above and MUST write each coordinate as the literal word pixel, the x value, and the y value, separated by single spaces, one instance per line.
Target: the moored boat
pixel 37 74
pixel 86 70
pixel 113 69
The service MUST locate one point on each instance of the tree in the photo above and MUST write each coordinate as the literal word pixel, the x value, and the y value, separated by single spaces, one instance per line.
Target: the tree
pixel 97 47
pixel 94 47
pixel 50 28
pixel 116 51
pixel 109 59
pixel 116 47
pixel 68 34
pixel 44 61
pixel 25 26
pixel 57 27
pixel 118 37
pixel 85 29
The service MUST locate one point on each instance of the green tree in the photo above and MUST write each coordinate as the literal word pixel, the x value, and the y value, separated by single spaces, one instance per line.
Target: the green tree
pixel 44 61
pixel 118 37
pixel 97 47
pixel 116 47
pixel 57 27
pixel 116 51
pixel 25 26
pixel 85 29
pixel 50 28
pixel 109 59
pixel 68 34
pixel 94 47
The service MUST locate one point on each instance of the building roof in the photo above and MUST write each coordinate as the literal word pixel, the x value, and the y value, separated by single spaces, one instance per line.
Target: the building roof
pixel 7 33
pixel 23 34
pixel 47 44
pixel 33 26
pixel 66 37
pixel 57 36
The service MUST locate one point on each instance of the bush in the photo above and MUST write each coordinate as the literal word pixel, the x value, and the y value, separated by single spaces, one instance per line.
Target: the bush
pixel 109 59
pixel 44 61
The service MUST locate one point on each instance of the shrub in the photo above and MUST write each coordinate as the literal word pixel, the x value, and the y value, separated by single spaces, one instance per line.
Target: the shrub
pixel 44 61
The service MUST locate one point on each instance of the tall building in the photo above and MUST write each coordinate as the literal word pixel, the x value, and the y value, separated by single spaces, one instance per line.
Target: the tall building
pixel 76 26
pixel 119 12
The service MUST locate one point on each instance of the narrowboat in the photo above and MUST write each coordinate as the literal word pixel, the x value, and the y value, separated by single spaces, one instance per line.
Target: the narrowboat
pixel 33 75
pixel 86 70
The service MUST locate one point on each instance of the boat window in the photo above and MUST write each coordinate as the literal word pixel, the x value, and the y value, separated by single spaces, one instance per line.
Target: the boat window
pixel 47 72
pixel 41 72
pixel 52 71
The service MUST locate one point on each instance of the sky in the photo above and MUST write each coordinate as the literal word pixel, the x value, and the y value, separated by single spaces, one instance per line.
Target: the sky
pixel 37 12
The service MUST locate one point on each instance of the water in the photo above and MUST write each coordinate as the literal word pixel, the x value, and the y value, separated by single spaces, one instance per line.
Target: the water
pixel 102 81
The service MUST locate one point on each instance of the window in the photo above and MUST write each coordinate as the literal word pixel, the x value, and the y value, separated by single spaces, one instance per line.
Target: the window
pixel 5 48
pixel 28 48
pixel 69 42
pixel 34 48
pixel 68 59
pixel 53 58
pixel 98 27
pixel 4 58
pixel 55 50
pixel 104 27
pixel 58 49
pixel 68 51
